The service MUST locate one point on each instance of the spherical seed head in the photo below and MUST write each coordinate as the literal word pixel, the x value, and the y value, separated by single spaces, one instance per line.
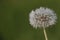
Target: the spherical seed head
pixel 42 17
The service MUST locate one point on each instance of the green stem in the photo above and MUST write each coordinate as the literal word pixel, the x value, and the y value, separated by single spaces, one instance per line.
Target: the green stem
pixel 45 34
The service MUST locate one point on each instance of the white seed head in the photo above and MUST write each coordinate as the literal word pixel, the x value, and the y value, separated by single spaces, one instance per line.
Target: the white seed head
pixel 42 17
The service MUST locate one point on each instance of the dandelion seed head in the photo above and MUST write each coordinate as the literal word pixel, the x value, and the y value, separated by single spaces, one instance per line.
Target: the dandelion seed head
pixel 42 17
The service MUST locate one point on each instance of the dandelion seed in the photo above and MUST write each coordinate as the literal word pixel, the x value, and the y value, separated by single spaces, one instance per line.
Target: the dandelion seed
pixel 42 17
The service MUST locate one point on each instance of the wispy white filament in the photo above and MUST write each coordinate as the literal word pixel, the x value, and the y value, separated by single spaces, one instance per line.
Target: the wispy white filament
pixel 42 17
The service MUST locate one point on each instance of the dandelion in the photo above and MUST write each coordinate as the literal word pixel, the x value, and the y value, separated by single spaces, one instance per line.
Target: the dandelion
pixel 42 17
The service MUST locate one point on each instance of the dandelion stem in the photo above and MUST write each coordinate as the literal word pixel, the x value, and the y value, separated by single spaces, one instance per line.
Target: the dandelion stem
pixel 45 34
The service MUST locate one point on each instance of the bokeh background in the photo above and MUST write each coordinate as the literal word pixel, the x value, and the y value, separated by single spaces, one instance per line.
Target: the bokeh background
pixel 14 20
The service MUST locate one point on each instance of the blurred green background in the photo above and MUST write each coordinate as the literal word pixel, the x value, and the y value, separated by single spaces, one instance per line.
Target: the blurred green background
pixel 14 20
